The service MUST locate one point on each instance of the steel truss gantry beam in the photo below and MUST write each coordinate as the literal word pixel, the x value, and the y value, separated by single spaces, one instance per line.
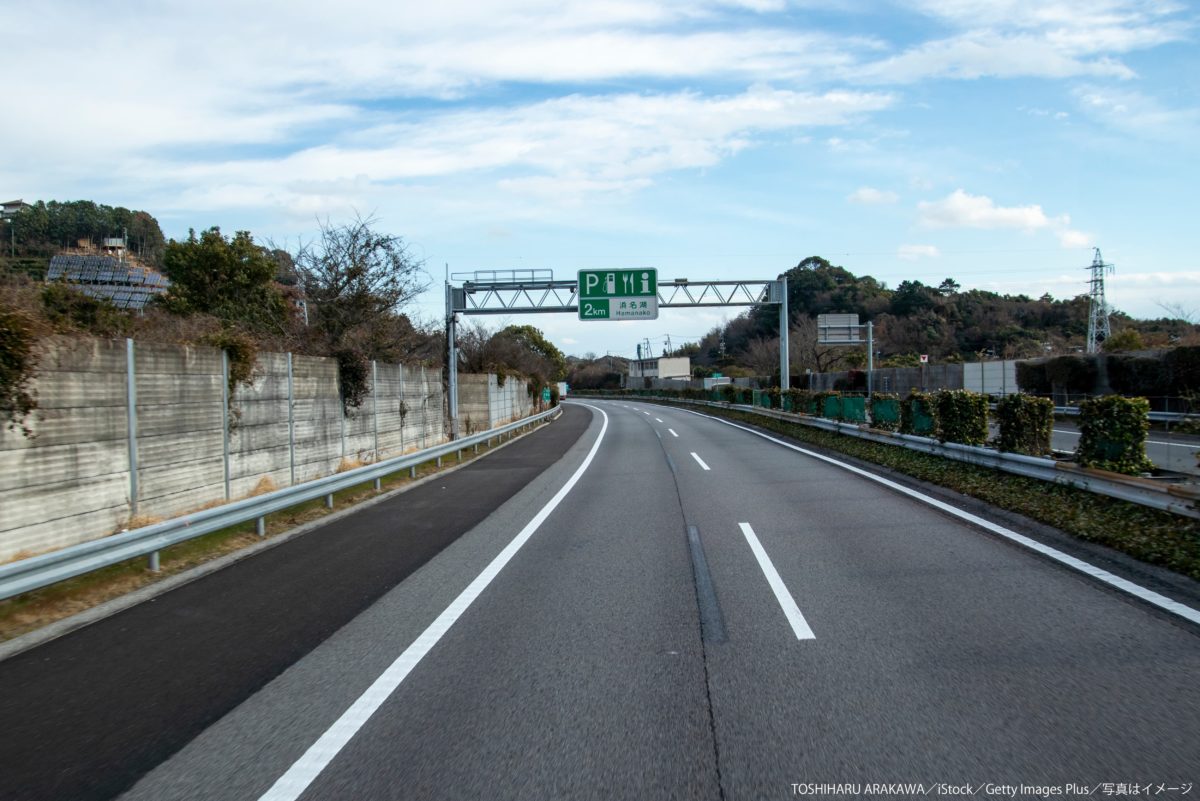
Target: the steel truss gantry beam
pixel 537 292
pixel 550 296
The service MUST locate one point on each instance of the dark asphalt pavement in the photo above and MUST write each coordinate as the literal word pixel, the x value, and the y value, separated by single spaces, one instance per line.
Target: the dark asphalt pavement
pixel 614 656
pixel 86 715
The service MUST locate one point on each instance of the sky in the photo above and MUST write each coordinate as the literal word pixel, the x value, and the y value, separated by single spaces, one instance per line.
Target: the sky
pixel 992 141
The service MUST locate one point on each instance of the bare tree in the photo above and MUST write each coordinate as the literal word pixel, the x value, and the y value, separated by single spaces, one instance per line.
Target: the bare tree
pixel 1177 311
pixel 356 281
pixel 762 355
pixel 805 352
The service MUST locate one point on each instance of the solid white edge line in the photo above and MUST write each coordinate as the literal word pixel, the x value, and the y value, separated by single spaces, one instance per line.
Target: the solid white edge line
pixel 1148 442
pixel 1136 590
pixel 701 461
pixel 301 774
pixel 786 602
pixel 673 434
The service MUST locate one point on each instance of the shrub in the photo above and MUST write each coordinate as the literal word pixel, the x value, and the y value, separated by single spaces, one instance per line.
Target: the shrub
pixel 803 401
pixel 1026 423
pixel 1136 375
pixel 962 416
pixel 1073 374
pixel 828 404
pixel 885 411
pixel 728 393
pixel 1031 377
pixel 1112 434
pixel 1183 367
pixel 68 309
pixel 918 414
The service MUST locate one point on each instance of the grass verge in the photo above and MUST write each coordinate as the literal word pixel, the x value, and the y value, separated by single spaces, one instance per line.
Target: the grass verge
pixel 38 608
pixel 1152 536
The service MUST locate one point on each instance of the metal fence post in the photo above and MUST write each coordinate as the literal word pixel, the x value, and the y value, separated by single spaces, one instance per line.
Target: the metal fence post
pixel 291 419
pixel 225 417
pixel 131 425
pixel 375 405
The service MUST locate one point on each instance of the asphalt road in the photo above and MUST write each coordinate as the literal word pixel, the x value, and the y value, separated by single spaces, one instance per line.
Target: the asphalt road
pixel 1166 449
pixel 675 608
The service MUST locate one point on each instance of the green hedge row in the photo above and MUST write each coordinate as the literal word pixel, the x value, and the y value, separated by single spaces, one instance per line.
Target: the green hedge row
pixel 1112 429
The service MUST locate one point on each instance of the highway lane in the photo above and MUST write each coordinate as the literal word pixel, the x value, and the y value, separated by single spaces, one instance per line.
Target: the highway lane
pixel 1166 449
pixel 85 715
pixel 612 657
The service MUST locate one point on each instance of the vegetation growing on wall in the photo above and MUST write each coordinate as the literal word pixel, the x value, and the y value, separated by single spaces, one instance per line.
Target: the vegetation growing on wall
pixel 18 361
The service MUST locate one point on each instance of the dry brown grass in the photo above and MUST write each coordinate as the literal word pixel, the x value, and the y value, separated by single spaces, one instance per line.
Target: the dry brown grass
pixel 264 485
pixel 18 556
pixel 347 464
pixel 140 521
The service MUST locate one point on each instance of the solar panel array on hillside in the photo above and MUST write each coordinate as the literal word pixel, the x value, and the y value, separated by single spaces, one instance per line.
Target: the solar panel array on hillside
pixel 127 286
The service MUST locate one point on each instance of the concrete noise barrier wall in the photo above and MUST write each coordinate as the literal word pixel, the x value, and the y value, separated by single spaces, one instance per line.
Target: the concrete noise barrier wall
pixel 129 433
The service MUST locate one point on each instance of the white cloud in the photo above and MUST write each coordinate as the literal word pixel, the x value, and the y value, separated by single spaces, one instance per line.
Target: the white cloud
pixel 914 252
pixel 869 196
pixel 561 148
pixel 1019 38
pixel 962 210
pixel 1134 113
pixel 1069 238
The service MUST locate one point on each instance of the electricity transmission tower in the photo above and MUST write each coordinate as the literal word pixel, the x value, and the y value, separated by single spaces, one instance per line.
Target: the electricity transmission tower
pixel 1098 328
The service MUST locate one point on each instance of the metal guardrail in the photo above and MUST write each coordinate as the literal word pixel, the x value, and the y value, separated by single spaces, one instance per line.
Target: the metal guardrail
pixel 1156 417
pixel 1180 500
pixel 46 569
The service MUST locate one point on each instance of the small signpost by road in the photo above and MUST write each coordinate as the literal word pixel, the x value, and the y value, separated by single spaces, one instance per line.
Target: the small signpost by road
pixel 618 294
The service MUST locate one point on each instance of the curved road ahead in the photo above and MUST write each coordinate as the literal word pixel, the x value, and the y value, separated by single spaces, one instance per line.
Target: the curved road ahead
pixel 675 608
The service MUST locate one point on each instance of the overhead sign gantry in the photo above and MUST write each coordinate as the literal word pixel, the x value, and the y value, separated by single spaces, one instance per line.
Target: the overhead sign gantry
pixel 538 292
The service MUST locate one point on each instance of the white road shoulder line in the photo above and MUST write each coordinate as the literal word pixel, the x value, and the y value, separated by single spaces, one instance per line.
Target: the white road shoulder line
pixel 301 774
pixel 1148 442
pixel 1136 590
pixel 700 461
pixel 786 602
pixel 673 434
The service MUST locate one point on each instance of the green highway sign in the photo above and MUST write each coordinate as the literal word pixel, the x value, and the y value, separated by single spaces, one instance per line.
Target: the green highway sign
pixel 618 294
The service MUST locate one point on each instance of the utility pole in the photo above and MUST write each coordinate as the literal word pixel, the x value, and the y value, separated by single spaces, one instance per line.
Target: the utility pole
pixel 1098 325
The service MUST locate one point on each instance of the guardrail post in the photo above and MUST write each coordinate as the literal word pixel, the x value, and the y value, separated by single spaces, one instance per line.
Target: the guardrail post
pixel 412 471
pixel 291 401
pixel 260 527
pixel 439 461
pixel 225 417
pixel 329 501
pixel 131 425
pixel 378 484
pixel 152 562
